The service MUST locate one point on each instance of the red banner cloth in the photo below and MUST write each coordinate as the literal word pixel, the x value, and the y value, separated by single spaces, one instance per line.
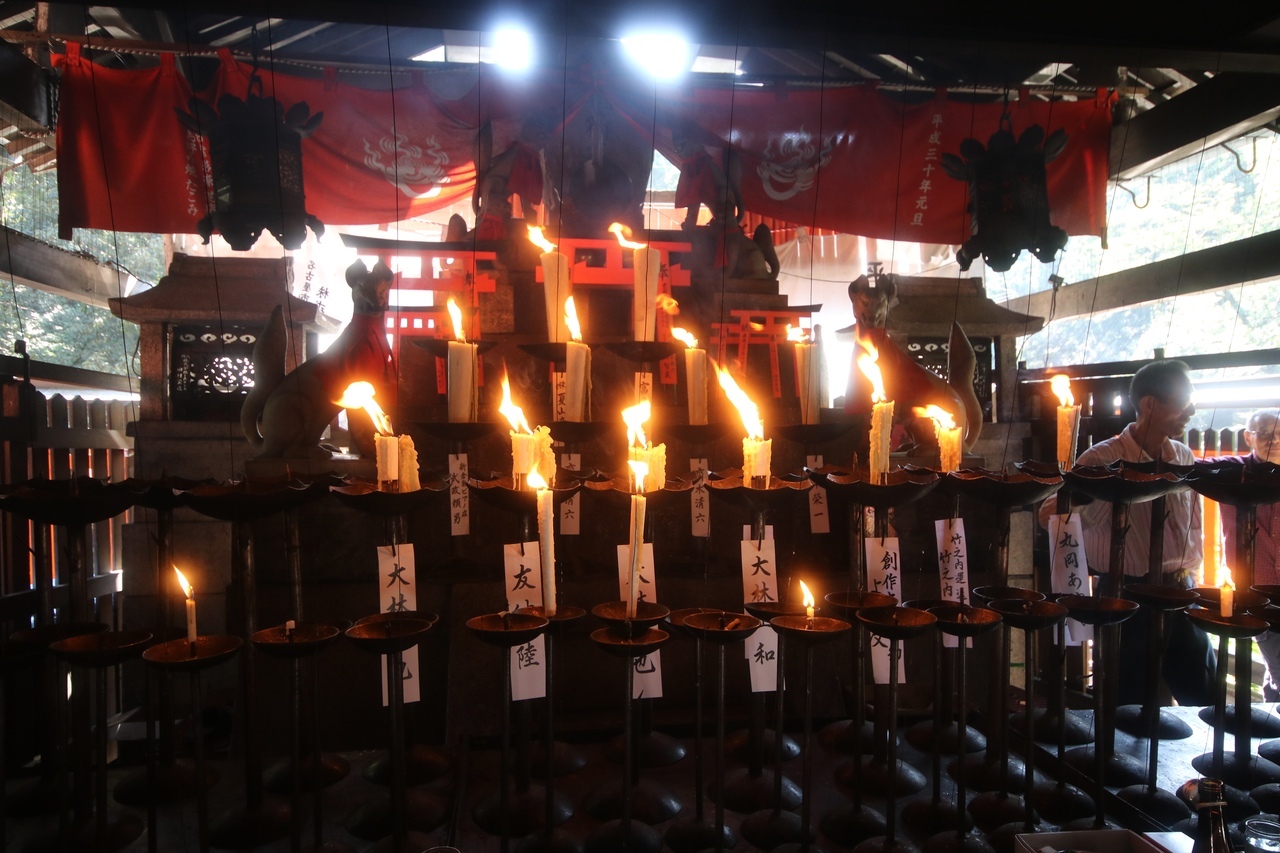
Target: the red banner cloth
pixel 851 159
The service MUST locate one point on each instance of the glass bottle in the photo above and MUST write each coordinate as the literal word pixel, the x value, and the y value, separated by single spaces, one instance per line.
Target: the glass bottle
pixel 1211 825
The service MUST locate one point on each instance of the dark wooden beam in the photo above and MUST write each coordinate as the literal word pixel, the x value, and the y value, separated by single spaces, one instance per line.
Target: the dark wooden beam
pixel 1207 269
pixel 24 90
pixel 1214 111
pixel 44 267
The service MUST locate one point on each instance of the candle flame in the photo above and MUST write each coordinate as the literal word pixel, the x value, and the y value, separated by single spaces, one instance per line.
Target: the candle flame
pixel 183 582
pixel 639 471
pixel 533 479
pixel 867 364
pixel 796 334
pixel 940 416
pixel 1061 386
pixel 808 596
pixel 684 337
pixel 513 413
pixel 536 237
pixel 571 320
pixel 634 418
pixel 747 410
pixel 667 304
pixel 360 395
pixel 616 230
pixel 455 315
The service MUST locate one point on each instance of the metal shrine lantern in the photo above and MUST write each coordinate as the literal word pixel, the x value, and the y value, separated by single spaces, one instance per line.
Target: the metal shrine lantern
pixel 255 153
pixel 1008 199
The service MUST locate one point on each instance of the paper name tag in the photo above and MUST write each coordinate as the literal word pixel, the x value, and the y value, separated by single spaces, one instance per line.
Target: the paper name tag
pixel 884 575
pixel 953 567
pixel 819 517
pixel 569 508
pixel 398 582
pixel 647 677
pixel 459 495
pixel 761 652
pixel 759 571
pixel 1069 568
pixel 699 499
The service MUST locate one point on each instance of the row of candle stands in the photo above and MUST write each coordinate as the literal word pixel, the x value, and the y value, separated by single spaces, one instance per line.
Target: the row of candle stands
pixel 65 503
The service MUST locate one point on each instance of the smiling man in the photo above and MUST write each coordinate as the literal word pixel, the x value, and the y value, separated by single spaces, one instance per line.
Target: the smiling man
pixel 1161 394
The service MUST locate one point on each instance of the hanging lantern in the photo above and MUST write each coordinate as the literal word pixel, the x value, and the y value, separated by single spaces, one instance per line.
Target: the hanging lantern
pixel 1008 200
pixel 255 153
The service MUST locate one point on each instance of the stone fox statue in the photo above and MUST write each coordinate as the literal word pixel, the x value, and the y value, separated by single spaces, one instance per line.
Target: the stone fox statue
pixel 284 415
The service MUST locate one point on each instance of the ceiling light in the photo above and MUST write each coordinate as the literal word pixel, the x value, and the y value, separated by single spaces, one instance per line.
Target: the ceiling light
pixel 661 55
pixel 513 48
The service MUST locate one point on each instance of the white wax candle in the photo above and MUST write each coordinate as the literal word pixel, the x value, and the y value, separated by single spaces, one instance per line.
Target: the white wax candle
pixel 637 553
pixel 556 288
pixel 523 453
pixel 948 449
pixel 463 381
pixel 757 457
pixel 881 430
pixel 1228 594
pixel 191 618
pixel 647 263
pixel 388 457
pixel 695 368
pixel 546 539
pixel 809 384
pixel 408 464
pixel 577 402
pixel 1068 432
pixel 655 461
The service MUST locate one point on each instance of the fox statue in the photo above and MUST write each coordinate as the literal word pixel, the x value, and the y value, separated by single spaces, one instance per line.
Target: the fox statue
pixel 284 415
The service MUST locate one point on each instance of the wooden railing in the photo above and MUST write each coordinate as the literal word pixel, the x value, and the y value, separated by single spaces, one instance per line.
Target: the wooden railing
pixel 59 438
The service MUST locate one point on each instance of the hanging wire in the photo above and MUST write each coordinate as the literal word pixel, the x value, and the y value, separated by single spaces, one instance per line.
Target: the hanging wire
pixel 13 284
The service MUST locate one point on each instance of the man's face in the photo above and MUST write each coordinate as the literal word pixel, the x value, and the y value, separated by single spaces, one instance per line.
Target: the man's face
pixel 1264 440
pixel 1171 412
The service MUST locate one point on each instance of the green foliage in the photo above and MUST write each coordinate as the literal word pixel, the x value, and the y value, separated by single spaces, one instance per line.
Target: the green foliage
pixel 58 329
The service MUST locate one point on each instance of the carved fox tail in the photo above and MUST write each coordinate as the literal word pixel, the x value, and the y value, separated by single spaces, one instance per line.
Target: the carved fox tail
pixel 961 365
pixel 268 371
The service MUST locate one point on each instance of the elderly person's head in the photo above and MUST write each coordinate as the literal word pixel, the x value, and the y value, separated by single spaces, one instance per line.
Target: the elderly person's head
pixel 1261 434
pixel 1161 394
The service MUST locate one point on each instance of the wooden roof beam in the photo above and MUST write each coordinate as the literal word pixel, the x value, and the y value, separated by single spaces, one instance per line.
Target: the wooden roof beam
pixel 44 267
pixel 1215 111
pixel 1250 259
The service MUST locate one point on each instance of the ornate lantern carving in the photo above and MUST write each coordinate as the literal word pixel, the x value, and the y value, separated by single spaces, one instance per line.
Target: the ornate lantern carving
pixel 255 151
pixel 1008 200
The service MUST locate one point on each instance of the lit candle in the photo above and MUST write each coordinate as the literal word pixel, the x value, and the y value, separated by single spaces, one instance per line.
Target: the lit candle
pixel 695 372
pixel 1068 420
pixel 556 286
pixel 463 372
pixel 808 375
pixel 808 603
pixel 1227 593
pixel 191 605
pixel 639 470
pixel 360 395
pixel 577 368
pixel 881 414
pixel 948 434
pixel 646 264
pixel 407 463
pixel 546 540
pixel 652 458
pixel 757 451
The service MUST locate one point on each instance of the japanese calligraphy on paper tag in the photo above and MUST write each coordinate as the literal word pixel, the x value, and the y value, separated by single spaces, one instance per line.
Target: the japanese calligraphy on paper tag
pixel 644 387
pixel 759 571
pixel 522 564
pixel 884 575
pixel 1069 568
pixel 569 507
pixel 559 394
pixel 459 495
pixel 398 579
pixel 953 567
pixel 647 681
pixel 699 499
pixel 761 652
pixel 819 518
pixel 880 649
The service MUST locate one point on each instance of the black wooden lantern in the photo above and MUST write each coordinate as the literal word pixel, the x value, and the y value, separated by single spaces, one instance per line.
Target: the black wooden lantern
pixel 1008 199
pixel 255 152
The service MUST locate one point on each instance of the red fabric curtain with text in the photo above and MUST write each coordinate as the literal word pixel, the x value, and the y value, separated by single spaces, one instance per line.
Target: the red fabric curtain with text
pixel 850 159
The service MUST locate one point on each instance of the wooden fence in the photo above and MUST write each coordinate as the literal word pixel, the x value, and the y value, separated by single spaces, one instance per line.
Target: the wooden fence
pixel 60 438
